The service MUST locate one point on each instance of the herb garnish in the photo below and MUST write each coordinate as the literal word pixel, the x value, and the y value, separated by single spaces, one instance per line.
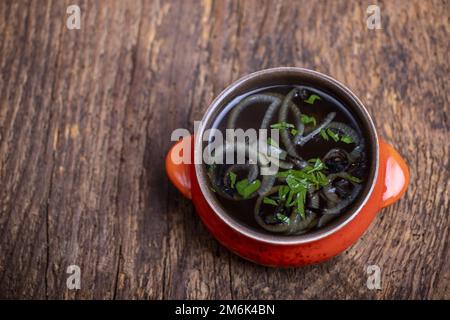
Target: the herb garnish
pixel 233 177
pixel 272 142
pixel 272 202
pixel 353 178
pixel 246 188
pixel 333 135
pixel 346 139
pixel 312 98
pixel 317 165
pixel 324 134
pixel 298 183
pixel 282 218
pixel 327 133
pixel 282 192
pixel 305 119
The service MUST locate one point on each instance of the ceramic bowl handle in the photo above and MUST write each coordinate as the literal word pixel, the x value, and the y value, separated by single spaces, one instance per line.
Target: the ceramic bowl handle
pixel 178 166
pixel 396 175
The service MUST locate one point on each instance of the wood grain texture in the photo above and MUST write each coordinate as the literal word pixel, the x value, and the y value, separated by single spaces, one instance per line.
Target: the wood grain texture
pixel 86 117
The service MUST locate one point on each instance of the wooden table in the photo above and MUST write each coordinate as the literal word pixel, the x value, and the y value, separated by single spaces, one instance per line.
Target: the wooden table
pixel 85 122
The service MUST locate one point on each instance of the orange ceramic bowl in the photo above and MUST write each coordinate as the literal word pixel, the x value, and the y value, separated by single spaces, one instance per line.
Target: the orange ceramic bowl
pixel 388 179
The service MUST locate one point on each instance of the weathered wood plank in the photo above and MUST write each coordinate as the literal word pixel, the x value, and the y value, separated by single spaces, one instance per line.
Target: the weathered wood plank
pixel 86 117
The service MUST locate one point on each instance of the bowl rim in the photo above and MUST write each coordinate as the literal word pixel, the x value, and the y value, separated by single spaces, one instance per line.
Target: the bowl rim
pixel 248 231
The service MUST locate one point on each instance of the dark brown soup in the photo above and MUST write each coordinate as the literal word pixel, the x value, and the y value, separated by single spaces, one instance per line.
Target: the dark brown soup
pixel 320 167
